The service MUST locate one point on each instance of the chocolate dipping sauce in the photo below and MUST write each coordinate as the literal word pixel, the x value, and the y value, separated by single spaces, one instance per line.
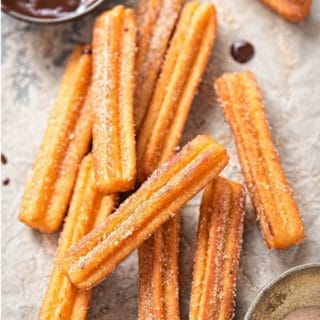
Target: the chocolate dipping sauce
pixel 46 8
pixel 307 313
pixel 242 51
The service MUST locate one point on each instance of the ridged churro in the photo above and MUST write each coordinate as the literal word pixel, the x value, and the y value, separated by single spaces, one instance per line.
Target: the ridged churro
pixel 218 249
pixel 88 208
pixel 112 99
pixel 158 199
pixel 181 74
pixel 158 255
pixel 159 270
pixel 277 211
pixel 156 21
pixel 66 141
pixel 292 10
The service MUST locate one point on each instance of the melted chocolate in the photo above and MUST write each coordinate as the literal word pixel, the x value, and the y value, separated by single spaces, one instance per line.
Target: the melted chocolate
pixel 45 8
pixel 242 51
pixel 4 159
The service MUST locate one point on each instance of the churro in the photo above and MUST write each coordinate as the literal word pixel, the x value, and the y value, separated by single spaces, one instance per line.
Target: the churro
pixel 270 192
pixel 66 141
pixel 159 270
pixel 112 100
pixel 218 249
pixel 292 10
pixel 156 20
pixel 181 74
pixel 88 208
pixel 158 199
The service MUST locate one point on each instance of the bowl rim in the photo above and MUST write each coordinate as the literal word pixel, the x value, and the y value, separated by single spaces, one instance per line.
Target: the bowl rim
pixel 43 21
pixel 272 282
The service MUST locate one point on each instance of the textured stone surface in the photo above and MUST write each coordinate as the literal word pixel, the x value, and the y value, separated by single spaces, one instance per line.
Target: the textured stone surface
pixel 287 66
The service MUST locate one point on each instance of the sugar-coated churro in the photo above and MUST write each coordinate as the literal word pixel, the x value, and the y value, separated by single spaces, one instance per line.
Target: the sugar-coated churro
pixel 270 192
pixel 112 99
pixel 156 20
pixel 66 141
pixel 158 199
pixel 159 270
pixel 181 73
pixel 218 249
pixel 88 208
pixel 292 10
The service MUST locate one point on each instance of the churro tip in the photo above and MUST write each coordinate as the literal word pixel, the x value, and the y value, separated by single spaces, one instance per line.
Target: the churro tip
pixel 110 186
pixel 292 10
pixel 37 225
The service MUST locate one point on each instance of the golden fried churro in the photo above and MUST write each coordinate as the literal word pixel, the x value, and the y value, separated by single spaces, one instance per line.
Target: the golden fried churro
pixel 88 208
pixel 156 20
pixel 218 249
pixel 183 68
pixel 163 194
pixel 66 141
pixel 159 270
pixel 270 193
pixel 292 10
pixel 112 90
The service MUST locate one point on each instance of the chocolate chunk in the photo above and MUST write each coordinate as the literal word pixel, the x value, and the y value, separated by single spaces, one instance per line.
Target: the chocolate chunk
pixel 4 159
pixel 242 51
pixel 6 181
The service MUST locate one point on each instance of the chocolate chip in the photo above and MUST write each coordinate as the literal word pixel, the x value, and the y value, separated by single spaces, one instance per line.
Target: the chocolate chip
pixel 4 159
pixel 6 181
pixel 242 51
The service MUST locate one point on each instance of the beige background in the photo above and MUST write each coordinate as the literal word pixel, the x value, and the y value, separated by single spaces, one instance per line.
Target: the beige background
pixel 287 66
